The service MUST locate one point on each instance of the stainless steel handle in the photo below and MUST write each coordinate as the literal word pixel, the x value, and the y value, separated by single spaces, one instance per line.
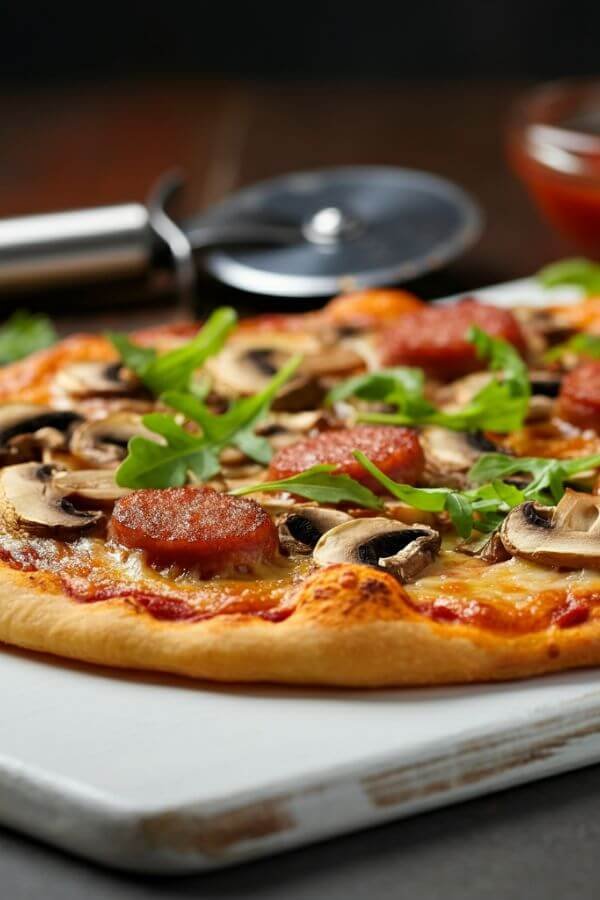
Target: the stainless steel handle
pixel 78 245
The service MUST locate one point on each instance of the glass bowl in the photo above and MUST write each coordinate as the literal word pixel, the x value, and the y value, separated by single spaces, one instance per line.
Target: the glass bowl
pixel 554 146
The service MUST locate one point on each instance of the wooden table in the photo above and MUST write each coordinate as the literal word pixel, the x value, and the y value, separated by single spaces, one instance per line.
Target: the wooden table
pixel 105 144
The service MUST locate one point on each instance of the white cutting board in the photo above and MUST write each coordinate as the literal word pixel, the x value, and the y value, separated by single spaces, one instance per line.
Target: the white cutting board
pixel 158 774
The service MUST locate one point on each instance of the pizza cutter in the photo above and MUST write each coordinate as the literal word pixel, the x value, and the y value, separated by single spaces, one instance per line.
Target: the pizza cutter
pixel 306 234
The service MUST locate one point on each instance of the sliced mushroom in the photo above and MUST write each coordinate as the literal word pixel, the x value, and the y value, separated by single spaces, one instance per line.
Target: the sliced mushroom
pixel 103 442
pixel 25 428
pixel 280 429
pixel 283 427
pixel 301 529
pixel 402 550
pixel 247 363
pixel 29 501
pixel 565 535
pixel 545 387
pixel 488 548
pixel 93 379
pixel 545 383
pixel 454 396
pixel 450 454
pixel 95 487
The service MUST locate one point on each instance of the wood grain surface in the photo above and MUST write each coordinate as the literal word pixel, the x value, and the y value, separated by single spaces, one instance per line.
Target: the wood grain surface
pixel 81 146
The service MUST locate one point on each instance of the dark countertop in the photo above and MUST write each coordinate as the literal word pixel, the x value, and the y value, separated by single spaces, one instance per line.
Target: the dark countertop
pixel 104 144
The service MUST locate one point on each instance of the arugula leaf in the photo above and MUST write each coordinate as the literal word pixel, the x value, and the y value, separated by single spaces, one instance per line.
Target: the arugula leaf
pixel 490 502
pixel 319 484
pixel 580 344
pixel 501 405
pixel 168 463
pixel 502 357
pixel 132 355
pixel 379 385
pixel 547 474
pixel 236 425
pixel 24 333
pixel 427 499
pixel 172 371
pixel 578 271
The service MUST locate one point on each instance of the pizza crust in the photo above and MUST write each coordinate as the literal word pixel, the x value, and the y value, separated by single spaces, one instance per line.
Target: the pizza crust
pixel 351 628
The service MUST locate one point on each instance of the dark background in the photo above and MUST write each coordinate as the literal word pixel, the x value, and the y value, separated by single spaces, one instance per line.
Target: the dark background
pixel 310 40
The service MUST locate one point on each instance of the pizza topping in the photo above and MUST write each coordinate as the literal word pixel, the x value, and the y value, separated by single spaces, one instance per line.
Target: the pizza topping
pixel 173 370
pixel 499 403
pixel 545 383
pixel 96 379
pixel 246 365
pixel 24 333
pixel 23 419
pixel 566 535
pixel 319 483
pixel 198 528
pixel 579 400
pixel 450 454
pixel 94 487
pixel 370 308
pixel 300 530
pixel 488 547
pixel 184 453
pixel 30 501
pixel 402 550
pixel 579 345
pixel 396 451
pixel 435 337
pixel 103 442
pixel 578 271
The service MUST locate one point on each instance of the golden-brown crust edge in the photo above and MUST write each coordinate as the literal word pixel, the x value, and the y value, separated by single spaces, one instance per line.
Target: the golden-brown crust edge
pixel 351 628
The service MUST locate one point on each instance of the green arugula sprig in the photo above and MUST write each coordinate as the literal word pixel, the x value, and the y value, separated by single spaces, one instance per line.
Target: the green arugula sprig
pixel 173 370
pixel 179 453
pixel 578 272
pixel 580 345
pixel 548 476
pixel 236 426
pixel 501 405
pixel 481 508
pixel 319 483
pixel 24 333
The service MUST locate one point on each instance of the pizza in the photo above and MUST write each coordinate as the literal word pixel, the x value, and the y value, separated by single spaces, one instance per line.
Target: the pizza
pixel 380 492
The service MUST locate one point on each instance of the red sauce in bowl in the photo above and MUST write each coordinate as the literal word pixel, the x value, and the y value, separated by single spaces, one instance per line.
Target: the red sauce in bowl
pixel 554 146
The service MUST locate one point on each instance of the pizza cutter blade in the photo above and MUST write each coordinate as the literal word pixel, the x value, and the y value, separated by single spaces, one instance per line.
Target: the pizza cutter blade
pixel 306 234
pixel 356 227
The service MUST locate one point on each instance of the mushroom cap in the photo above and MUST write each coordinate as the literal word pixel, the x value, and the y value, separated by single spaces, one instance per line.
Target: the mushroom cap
pixel 567 535
pixel 29 501
pixel 103 442
pixel 301 529
pixel 20 419
pixel 450 454
pixel 88 379
pixel 97 487
pixel 403 550
pixel 249 361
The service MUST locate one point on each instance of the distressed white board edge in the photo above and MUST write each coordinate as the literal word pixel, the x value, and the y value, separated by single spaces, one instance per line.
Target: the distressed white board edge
pixel 235 829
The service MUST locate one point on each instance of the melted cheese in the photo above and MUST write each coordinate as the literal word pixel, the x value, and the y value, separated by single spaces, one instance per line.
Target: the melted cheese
pixel 516 581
